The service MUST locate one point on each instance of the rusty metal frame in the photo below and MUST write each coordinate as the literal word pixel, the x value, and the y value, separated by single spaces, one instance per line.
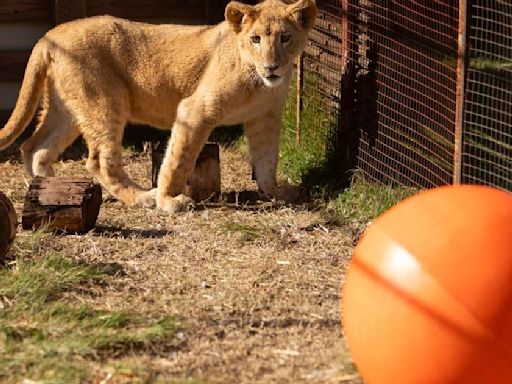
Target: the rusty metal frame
pixel 462 64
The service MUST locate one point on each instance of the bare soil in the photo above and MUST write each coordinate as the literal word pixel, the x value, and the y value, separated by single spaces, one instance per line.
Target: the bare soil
pixel 256 287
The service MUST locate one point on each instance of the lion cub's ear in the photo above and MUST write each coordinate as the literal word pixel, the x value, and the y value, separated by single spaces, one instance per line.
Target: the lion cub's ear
pixel 235 14
pixel 303 13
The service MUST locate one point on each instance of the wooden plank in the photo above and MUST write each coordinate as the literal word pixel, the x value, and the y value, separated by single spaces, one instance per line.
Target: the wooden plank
pixel 67 10
pixel 14 11
pixel 149 9
pixel 12 65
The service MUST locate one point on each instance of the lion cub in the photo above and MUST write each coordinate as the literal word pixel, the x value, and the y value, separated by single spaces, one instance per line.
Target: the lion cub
pixel 95 75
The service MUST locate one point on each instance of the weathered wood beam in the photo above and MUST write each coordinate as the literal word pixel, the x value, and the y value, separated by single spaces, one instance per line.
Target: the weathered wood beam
pixel 69 204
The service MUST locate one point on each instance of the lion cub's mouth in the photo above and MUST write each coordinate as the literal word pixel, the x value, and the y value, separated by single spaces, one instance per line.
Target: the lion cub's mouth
pixel 272 80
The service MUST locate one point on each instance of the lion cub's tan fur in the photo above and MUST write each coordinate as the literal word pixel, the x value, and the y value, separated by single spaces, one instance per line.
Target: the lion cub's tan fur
pixel 96 75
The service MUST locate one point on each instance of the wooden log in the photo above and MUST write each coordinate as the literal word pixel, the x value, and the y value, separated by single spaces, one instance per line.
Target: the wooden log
pixel 63 203
pixel 205 181
pixel 8 224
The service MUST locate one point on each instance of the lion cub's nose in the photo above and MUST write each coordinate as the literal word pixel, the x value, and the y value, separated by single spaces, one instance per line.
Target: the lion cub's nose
pixel 271 67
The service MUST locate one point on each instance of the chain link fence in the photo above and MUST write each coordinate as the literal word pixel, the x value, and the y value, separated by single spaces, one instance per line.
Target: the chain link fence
pixel 391 88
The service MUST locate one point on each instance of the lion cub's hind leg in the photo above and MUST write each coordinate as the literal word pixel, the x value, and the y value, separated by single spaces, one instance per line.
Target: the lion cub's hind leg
pixel 55 131
pixel 263 139
pixel 104 141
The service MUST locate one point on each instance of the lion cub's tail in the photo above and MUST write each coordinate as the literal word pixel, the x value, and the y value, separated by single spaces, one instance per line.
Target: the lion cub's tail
pixel 30 93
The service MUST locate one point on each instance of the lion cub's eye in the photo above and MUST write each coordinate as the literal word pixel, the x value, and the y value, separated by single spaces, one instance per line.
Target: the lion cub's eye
pixel 285 38
pixel 256 39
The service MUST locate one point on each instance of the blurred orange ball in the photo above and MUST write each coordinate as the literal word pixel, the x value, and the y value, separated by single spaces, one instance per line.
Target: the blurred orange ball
pixel 428 296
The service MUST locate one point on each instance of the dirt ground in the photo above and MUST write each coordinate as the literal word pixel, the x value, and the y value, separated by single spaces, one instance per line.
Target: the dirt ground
pixel 256 287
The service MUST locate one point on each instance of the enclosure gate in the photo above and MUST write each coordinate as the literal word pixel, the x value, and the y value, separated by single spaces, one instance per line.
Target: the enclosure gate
pixel 418 92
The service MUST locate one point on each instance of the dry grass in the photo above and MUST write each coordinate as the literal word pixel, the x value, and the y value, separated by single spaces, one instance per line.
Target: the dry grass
pixel 256 291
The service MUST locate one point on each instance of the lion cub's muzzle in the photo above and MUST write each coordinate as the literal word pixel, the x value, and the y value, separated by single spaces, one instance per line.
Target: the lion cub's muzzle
pixel 271 76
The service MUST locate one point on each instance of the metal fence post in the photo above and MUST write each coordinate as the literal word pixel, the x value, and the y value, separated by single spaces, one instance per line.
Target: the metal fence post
pixel 462 64
pixel 347 135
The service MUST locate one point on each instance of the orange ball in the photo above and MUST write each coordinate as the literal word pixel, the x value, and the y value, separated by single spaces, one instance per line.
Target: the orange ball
pixel 428 296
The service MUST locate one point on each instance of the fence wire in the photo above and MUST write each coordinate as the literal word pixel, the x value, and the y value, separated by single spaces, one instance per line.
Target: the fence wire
pixel 487 139
pixel 378 86
pixel 311 116
pixel 407 119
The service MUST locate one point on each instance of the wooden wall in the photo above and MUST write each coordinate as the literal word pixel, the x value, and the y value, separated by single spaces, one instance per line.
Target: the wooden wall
pixel 23 22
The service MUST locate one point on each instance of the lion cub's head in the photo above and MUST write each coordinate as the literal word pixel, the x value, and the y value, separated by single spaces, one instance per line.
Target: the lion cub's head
pixel 272 34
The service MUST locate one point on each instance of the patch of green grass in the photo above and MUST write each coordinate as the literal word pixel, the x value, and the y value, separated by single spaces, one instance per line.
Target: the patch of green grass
pixel 310 153
pixel 29 242
pixel 249 233
pixel 363 201
pixel 47 336
pixel 312 161
pixel 485 64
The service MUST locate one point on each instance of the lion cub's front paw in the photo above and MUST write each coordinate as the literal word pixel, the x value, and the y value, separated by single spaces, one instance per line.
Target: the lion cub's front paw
pixel 176 204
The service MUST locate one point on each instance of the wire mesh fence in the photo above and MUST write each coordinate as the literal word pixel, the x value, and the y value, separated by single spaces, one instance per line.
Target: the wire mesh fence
pixel 311 116
pixel 487 144
pixel 379 86
pixel 410 138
